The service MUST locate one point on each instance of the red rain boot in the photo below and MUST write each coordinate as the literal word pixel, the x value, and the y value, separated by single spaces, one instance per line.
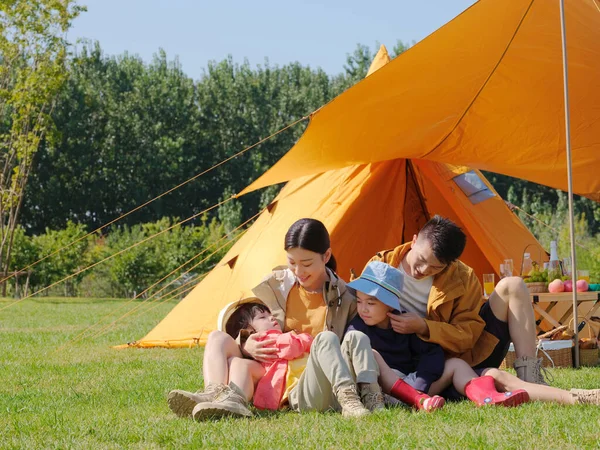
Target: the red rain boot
pixel 409 395
pixel 483 392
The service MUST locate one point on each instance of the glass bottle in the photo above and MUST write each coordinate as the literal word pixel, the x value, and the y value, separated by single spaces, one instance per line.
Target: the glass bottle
pixel 527 266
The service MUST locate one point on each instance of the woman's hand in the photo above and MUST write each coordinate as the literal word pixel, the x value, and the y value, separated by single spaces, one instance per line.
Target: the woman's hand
pixel 408 323
pixel 261 351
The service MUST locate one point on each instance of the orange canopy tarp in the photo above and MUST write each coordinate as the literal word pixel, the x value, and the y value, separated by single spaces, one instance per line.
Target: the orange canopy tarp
pixel 485 91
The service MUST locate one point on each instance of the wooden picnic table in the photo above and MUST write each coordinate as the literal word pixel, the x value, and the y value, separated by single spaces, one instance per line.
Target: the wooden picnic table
pixel 555 310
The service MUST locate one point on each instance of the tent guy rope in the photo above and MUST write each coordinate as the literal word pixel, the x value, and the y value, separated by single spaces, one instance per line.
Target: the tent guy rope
pixel 137 208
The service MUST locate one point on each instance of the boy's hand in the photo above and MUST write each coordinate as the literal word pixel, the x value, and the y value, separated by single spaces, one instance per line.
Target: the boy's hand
pixel 408 323
pixel 262 351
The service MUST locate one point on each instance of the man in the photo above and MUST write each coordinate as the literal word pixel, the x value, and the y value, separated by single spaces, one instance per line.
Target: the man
pixel 445 303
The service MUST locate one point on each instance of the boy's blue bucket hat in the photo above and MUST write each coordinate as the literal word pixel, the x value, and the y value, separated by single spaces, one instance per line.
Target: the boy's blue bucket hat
pixel 382 281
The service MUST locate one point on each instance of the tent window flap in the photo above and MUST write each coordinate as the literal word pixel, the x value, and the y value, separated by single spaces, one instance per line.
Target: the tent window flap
pixel 473 187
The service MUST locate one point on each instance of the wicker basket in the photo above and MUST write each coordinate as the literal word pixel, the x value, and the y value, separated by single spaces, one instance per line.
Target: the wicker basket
pixel 587 356
pixel 508 361
pixel 537 288
pixel 559 351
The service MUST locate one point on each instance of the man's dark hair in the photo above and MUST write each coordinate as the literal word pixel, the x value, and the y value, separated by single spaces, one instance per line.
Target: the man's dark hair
pixel 446 238
pixel 241 318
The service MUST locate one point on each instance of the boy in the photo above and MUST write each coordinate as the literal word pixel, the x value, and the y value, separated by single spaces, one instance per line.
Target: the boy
pixel 415 364
pixel 378 293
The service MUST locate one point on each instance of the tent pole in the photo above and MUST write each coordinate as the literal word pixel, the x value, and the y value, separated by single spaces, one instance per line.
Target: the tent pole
pixel 569 178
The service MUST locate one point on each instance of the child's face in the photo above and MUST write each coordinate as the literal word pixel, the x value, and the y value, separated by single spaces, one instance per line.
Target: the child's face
pixel 372 311
pixel 264 321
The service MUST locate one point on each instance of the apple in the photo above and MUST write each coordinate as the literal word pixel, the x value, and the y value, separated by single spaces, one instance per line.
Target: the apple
pixel 582 286
pixel 556 286
pixel 568 285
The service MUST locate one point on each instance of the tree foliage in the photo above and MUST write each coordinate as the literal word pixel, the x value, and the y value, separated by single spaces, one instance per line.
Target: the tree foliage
pixel 32 70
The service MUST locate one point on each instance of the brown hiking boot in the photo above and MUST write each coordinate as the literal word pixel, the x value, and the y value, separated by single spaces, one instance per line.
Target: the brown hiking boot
pixel 392 402
pixel 586 396
pixel 529 368
pixel 182 403
pixel 371 396
pixel 231 401
pixel 350 402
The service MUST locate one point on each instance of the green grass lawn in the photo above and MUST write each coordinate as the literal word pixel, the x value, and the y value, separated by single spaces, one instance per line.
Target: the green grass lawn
pixel 90 396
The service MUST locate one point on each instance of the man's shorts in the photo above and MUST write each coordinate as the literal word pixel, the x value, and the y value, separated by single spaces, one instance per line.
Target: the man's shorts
pixel 498 328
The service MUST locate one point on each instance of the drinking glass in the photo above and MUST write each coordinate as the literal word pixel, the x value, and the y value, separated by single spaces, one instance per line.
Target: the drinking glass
pixel 502 271
pixel 488 284
pixel 508 267
pixel 583 275
pixel 567 266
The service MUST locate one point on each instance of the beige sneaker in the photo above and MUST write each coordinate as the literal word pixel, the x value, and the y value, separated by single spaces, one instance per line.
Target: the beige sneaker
pixel 586 396
pixel 371 396
pixel 529 369
pixel 350 402
pixel 231 401
pixel 182 403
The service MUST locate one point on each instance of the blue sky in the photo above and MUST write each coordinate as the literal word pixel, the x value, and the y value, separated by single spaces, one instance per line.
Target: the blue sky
pixel 319 34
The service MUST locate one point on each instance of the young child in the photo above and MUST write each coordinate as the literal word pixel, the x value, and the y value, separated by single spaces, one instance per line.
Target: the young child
pixel 254 317
pixel 415 364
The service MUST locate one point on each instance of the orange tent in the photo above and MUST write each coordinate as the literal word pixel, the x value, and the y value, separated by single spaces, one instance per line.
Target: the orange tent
pixel 366 208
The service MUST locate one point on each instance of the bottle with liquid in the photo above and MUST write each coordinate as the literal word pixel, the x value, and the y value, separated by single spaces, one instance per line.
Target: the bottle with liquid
pixel 527 265
pixel 554 269
pixel 553 251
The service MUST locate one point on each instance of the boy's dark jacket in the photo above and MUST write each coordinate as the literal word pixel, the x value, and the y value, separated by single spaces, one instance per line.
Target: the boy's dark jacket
pixel 406 353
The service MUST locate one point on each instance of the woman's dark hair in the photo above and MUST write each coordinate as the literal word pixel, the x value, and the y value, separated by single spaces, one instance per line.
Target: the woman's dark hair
pixel 446 238
pixel 310 234
pixel 241 318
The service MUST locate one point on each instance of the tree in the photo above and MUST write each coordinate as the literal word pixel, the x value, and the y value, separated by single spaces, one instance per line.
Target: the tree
pixel 129 131
pixel 546 203
pixel 32 53
pixel 64 263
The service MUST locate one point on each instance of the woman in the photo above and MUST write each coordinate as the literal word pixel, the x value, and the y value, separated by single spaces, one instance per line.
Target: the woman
pixel 307 297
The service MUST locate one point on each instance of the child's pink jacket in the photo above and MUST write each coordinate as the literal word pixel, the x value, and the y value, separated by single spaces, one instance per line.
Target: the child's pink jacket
pixel 271 386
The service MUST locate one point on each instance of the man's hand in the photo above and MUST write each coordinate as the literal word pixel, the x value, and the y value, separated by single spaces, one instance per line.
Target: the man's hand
pixel 262 351
pixel 408 323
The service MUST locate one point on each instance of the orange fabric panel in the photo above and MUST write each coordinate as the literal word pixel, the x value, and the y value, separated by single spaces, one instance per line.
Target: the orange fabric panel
pixel 348 201
pixel 381 59
pixel 364 209
pixel 379 199
pixel 485 91
pixel 416 213
pixel 496 233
